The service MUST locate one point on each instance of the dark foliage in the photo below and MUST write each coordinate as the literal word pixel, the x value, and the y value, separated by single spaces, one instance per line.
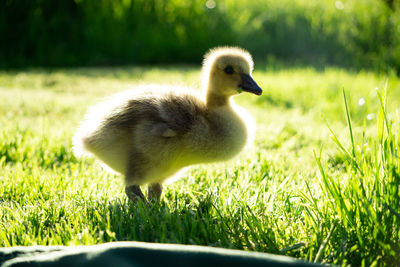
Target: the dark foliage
pixel 104 32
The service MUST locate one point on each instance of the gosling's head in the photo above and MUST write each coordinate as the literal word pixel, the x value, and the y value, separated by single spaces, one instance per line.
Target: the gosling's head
pixel 227 72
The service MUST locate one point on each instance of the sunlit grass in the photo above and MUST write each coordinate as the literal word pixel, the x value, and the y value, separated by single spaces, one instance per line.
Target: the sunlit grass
pixel 296 192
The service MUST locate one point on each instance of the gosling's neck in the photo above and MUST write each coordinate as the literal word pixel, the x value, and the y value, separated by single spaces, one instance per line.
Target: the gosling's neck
pixel 214 99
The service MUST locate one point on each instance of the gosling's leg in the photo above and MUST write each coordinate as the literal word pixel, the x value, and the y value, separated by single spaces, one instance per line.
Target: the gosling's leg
pixel 154 192
pixel 134 172
pixel 134 193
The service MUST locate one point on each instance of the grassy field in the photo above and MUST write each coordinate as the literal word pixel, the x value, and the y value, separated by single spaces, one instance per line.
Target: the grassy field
pixel 311 187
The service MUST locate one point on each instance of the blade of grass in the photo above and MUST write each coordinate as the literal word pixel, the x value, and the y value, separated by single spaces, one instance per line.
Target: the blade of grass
pixel 324 243
pixel 349 123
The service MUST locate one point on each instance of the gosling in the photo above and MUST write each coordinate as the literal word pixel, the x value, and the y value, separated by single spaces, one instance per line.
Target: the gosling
pixel 150 133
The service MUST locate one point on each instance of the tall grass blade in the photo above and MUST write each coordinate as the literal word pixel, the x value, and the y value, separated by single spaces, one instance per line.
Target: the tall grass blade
pixel 349 124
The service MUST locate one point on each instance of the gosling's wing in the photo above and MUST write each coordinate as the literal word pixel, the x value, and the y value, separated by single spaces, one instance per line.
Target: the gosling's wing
pixel 178 114
pixel 167 115
pixel 162 129
pixel 132 112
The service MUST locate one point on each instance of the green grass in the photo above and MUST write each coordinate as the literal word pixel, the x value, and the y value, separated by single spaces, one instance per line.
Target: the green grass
pixel 320 183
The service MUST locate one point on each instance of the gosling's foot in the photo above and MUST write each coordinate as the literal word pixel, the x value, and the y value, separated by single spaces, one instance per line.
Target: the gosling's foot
pixel 154 192
pixel 135 194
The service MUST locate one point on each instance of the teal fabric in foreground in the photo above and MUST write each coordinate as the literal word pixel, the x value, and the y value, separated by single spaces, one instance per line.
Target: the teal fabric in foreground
pixel 139 254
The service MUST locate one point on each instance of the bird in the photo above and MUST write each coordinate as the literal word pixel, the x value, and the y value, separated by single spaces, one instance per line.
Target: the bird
pixel 149 133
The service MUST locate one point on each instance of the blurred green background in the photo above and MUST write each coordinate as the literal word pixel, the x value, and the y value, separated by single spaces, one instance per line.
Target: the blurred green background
pixel 48 33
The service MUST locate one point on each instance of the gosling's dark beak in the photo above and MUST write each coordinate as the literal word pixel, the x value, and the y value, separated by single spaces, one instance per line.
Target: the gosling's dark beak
pixel 249 85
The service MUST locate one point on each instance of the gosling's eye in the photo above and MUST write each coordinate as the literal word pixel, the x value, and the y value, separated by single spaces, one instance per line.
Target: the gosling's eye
pixel 228 70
